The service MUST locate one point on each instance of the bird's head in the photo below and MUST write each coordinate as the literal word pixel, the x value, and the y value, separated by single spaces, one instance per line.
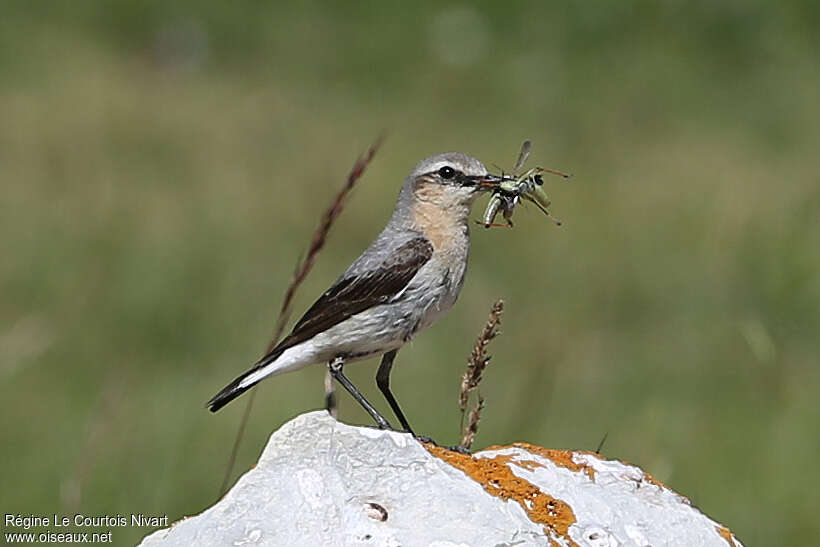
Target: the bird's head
pixel 451 181
pixel 436 197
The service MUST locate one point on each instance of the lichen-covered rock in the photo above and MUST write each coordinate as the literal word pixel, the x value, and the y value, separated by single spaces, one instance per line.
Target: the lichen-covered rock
pixel 321 482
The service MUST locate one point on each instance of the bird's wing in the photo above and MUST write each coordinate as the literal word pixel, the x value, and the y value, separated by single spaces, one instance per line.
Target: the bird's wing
pixel 356 293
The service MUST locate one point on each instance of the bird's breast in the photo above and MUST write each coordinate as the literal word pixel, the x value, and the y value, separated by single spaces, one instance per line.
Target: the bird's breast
pixel 441 217
pixel 439 282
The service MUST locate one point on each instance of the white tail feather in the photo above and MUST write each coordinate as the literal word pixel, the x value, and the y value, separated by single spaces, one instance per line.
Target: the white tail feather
pixel 291 359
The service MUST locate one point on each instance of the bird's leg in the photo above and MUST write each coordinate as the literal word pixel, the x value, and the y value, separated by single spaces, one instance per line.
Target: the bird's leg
pixel 383 381
pixel 335 368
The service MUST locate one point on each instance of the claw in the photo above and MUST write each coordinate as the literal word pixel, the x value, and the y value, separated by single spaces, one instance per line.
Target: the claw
pixel 427 440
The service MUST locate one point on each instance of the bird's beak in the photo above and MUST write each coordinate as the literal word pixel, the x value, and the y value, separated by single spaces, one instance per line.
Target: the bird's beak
pixel 485 182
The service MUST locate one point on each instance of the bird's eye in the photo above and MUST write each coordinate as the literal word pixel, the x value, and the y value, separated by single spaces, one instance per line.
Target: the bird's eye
pixel 446 172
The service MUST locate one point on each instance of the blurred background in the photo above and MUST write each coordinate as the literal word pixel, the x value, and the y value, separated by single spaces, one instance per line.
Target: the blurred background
pixel 163 165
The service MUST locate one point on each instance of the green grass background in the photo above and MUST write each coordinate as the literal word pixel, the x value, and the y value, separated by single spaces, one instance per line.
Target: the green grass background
pixel 163 164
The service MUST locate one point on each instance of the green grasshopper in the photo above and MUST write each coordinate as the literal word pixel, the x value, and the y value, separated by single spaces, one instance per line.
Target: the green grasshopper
pixel 509 190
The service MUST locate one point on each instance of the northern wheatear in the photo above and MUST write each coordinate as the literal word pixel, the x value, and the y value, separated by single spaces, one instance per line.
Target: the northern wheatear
pixel 405 280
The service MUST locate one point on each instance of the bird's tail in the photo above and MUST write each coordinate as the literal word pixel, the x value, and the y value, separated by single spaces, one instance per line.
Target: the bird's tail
pixel 243 383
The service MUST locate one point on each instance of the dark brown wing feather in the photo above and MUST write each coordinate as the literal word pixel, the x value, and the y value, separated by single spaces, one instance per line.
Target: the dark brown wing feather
pixel 352 295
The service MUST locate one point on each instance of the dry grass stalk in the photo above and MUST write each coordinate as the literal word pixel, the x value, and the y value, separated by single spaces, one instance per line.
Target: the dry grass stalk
pixel 478 357
pixel 472 424
pixel 302 269
pixel 475 369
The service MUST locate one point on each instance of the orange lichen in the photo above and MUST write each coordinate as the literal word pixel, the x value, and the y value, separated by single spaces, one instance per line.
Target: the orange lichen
pixel 529 465
pixel 495 475
pixel 561 458
pixel 727 534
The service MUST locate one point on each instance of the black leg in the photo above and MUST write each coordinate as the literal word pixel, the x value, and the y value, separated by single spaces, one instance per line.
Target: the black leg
pixel 383 381
pixel 335 368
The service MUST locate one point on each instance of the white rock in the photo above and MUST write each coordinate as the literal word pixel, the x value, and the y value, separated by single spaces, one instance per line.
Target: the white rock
pixel 321 482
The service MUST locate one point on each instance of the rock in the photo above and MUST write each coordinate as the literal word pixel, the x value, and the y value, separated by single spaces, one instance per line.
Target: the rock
pixel 321 482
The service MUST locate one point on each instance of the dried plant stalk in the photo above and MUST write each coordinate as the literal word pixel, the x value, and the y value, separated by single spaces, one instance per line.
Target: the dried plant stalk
pixel 476 364
pixel 478 357
pixel 319 238
pixel 302 269
pixel 472 424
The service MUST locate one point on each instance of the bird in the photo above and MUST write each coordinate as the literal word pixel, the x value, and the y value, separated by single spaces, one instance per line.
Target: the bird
pixel 408 277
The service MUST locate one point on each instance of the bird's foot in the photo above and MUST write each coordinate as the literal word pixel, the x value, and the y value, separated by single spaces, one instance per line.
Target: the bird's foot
pixel 427 440
pixel 460 449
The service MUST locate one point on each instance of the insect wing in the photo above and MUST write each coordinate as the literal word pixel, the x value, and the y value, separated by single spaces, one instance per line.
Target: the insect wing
pixel 526 146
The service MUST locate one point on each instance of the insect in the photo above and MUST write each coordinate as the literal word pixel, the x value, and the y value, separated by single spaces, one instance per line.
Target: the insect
pixel 510 189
